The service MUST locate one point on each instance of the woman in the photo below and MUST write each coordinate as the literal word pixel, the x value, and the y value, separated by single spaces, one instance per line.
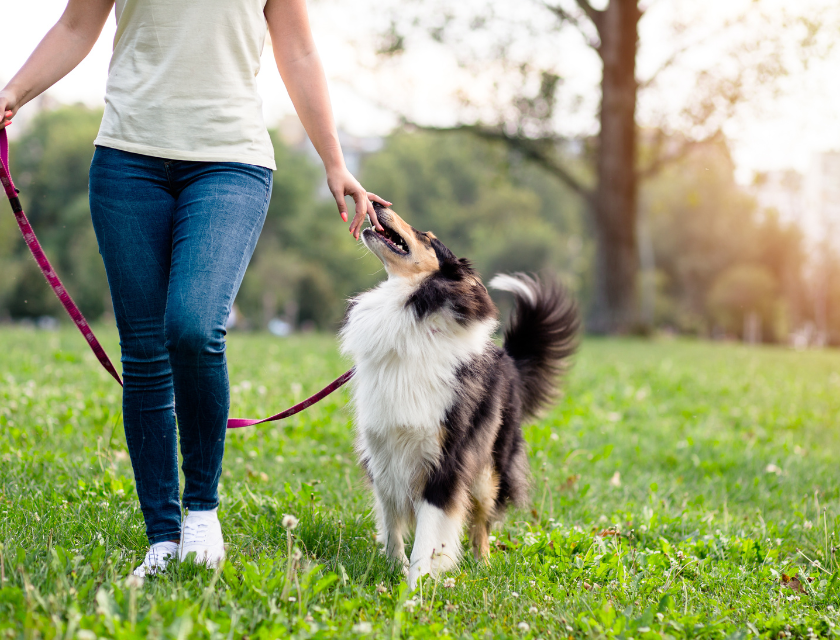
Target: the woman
pixel 179 188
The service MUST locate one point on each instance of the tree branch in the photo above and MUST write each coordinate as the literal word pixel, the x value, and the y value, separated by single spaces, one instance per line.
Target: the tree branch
pixel 533 149
pixel 662 160
pixel 669 62
pixel 573 20
pixel 674 57
pixel 665 65
pixel 593 14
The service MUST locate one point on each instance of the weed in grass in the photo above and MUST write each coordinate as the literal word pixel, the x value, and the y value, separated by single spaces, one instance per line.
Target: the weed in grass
pixel 680 489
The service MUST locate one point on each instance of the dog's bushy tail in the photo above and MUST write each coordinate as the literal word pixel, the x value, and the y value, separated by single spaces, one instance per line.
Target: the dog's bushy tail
pixel 541 335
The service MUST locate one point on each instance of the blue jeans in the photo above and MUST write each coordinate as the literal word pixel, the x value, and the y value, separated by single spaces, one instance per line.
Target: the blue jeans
pixel 176 237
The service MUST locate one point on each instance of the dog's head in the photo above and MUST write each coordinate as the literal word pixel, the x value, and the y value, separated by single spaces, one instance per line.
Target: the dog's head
pixel 405 251
pixel 443 280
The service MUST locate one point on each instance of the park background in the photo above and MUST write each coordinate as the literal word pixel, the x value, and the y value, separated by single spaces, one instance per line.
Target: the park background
pixel 684 486
pixel 717 216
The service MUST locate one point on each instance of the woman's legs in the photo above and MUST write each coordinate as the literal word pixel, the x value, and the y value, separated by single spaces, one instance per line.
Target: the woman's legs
pixel 218 217
pixel 175 237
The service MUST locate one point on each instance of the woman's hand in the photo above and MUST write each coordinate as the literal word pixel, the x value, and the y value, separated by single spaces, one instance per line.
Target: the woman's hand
pixel 342 183
pixel 8 107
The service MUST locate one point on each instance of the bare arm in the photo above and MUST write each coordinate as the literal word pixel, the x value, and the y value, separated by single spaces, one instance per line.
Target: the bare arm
pixel 301 70
pixel 64 46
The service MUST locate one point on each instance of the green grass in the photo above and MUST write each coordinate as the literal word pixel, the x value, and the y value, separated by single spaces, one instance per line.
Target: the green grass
pixel 674 486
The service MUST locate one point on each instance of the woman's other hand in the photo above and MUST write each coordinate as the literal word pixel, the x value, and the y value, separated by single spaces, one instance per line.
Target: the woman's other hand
pixel 8 107
pixel 342 183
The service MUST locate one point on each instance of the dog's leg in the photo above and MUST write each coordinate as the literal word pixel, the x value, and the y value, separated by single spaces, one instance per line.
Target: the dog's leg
pixel 390 529
pixel 437 542
pixel 483 492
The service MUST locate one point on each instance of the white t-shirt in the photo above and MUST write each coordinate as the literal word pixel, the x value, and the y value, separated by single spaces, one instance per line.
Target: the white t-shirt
pixel 182 81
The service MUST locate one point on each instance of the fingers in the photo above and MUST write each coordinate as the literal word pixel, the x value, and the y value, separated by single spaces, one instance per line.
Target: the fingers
pixel 372 215
pixel 372 197
pixel 7 118
pixel 345 184
pixel 342 206
pixel 362 206
pixel 376 198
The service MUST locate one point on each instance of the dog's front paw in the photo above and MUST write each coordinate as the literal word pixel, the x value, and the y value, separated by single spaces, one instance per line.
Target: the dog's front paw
pixel 414 574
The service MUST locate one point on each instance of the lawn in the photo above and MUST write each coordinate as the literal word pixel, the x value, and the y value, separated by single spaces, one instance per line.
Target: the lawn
pixel 680 489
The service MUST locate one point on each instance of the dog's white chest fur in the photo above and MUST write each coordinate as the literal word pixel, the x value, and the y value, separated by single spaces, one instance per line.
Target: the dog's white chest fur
pixel 405 382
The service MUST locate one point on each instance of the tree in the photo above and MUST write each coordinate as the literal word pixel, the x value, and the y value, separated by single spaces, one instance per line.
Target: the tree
pixel 520 57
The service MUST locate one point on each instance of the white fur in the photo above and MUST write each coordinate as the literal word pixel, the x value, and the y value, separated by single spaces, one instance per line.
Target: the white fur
pixel 403 386
pixel 437 543
pixel 504 282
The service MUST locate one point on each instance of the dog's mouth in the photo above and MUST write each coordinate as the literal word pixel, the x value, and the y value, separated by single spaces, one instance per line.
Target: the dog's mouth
pixel 393 240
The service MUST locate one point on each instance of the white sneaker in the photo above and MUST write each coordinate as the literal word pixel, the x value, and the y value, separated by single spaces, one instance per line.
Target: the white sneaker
pixel 201 534
pixel 157 557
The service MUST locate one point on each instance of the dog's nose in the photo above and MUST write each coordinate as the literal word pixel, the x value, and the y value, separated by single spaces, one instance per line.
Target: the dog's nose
pixel 378 207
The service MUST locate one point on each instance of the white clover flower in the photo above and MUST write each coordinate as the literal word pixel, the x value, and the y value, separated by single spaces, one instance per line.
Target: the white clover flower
pixel 524 626
pixel 514 594
pixel 363 627
pixel 533 610
pixel 289 522
pixel 380 588
pixel 410 604
pixel 449 583
pixel 297 554
pixel 292 599
pixel 133 582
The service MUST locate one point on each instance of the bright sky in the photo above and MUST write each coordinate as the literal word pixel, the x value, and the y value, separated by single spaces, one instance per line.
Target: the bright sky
pixel 783 133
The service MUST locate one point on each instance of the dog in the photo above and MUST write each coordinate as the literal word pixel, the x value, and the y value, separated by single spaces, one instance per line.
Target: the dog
pixel 438 407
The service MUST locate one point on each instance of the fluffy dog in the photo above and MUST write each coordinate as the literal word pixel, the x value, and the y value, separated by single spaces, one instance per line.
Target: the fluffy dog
pixel 438 406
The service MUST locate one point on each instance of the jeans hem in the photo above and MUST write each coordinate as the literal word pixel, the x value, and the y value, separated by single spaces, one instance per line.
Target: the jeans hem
pixel 165 537
pixel 201 506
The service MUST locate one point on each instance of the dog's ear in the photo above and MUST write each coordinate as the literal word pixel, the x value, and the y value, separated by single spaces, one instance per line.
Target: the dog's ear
pixel 455 286
pixel 451 267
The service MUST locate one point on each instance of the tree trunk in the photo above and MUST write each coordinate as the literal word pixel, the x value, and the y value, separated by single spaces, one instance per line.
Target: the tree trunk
pixel 615 308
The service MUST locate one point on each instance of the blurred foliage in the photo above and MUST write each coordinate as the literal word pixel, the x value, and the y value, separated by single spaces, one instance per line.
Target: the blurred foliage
pixel 718 258
pixel 50 165
pixel 484 202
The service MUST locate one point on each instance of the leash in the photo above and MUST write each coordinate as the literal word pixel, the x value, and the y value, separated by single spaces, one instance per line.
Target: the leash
pixel 82 324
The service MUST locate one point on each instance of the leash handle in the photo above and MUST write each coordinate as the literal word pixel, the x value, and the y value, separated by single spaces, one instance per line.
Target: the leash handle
pixel 79 320
pixel 5 174
pixel 44 264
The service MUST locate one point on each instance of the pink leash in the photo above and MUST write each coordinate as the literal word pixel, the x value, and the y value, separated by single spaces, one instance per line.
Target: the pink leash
pixel 71 308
